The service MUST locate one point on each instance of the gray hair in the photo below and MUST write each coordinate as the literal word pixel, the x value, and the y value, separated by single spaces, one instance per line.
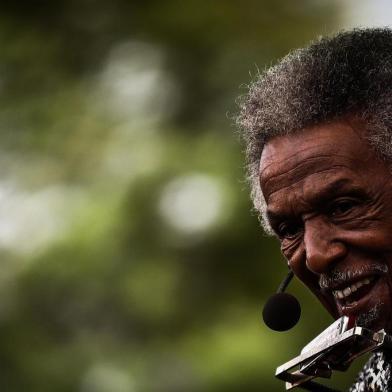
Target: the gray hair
pixel 347 74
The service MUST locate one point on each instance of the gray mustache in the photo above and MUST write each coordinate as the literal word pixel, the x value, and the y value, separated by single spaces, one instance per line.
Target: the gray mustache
pixel 336 277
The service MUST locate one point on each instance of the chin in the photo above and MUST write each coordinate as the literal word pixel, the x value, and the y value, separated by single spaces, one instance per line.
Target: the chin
pixel 375 319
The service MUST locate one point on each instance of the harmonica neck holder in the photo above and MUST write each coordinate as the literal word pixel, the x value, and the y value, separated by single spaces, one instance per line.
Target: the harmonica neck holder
pixel 334 349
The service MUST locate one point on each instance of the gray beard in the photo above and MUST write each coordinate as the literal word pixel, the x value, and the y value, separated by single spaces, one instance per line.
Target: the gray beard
pixel 368 318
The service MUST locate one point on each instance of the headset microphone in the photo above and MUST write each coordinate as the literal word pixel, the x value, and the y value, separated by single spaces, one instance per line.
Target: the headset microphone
pixel 282 310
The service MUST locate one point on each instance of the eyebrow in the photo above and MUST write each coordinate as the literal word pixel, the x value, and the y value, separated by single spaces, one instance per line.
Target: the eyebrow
pixel 333 189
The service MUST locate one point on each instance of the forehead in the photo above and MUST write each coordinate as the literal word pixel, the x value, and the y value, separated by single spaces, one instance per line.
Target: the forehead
pixel 330 148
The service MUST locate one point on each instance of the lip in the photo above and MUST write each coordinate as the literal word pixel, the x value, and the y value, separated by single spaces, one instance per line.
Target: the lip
pixel 361 304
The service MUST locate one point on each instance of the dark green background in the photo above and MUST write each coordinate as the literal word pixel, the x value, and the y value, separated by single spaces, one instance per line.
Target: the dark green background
pixel 103 105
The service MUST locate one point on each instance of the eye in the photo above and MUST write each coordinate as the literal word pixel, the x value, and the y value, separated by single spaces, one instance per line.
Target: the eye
pixel 341 207
pixel 289 230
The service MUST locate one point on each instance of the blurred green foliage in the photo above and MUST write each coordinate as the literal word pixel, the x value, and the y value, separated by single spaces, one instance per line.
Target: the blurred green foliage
pixel 130 259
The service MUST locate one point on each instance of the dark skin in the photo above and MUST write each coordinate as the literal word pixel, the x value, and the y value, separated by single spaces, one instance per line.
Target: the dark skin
pixel 329 201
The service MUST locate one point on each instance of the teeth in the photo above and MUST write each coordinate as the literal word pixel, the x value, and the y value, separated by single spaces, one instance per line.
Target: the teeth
pixel 350 289
pixel 339 294
pixel 347 291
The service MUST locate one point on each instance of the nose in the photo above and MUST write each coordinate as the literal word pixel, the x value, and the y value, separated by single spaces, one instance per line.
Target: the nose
pixel 322 245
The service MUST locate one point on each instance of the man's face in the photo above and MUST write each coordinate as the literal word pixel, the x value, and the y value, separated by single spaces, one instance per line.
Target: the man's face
pixel 329 200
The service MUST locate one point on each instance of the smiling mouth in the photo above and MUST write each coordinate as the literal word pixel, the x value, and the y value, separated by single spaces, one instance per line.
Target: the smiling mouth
pixel 355 290
pixel 353 299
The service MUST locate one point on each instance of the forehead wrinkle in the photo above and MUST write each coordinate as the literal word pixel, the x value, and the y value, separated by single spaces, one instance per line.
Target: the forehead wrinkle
pixel 297 142
pixel 274 183
pixel 265 168
pixel 331 189
pixel 308 150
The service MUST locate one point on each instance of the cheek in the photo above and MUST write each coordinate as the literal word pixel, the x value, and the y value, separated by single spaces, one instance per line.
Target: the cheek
pixel 311 281
pixel 297 263
pixel 373 226
pixel 375 240
pixel 296 259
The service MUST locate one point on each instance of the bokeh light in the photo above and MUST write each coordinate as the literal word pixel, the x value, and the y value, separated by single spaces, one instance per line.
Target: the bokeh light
pixel 192 204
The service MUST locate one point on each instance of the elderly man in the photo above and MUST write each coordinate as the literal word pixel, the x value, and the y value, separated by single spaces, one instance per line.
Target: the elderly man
pixel 318 131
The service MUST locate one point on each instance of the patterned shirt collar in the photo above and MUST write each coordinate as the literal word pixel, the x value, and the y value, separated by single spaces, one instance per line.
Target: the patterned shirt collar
pixel 375 375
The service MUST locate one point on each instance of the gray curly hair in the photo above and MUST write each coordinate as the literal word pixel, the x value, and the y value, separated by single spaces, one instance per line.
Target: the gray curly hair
pixel 347 74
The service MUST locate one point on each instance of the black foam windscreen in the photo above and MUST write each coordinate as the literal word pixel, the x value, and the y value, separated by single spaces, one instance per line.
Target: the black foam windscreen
pixel 281 312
